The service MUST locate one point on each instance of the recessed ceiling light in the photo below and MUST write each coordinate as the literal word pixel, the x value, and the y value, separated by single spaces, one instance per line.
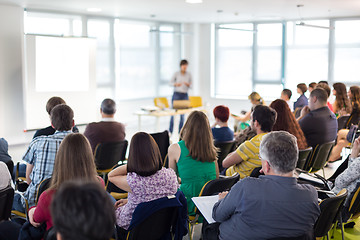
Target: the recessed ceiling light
pixel 193 1
pixel 94 9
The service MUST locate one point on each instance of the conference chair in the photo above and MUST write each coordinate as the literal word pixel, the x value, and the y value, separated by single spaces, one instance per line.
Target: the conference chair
pixel 6 201
pixel 297 112
pixel 303 156
pixel 224 149
pixel 342 122
pixel 163 141
pixel 319 157
pixel 330 211
pixel 107 155
pixel 352 212
pixel 210 188
pixel 161 102
pixel 113 190
pixel 43 186
pixel 195 101
pixel 20 182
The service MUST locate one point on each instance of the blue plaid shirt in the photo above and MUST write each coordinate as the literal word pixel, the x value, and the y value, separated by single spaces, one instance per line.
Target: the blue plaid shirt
pixel 41 154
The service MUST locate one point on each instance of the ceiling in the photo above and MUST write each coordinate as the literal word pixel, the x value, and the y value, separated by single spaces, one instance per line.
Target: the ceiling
pixel 208 11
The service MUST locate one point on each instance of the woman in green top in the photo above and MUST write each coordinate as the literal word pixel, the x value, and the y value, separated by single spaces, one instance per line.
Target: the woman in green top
pixel 194 158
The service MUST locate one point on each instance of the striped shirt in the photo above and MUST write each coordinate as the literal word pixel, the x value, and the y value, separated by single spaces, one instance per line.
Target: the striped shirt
pixel 41 154
pixel 249 153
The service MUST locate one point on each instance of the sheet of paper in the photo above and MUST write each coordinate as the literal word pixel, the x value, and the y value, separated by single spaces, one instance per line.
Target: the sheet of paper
pixel 307 177
pixel 205 206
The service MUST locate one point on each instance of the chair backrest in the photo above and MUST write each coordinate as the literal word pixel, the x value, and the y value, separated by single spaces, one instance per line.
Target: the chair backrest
pixel 219 185
pixel 224 149
pixel 6 201
pixel 297 112
pixel 155 226
pixel 353 119
pixel 354 208
pixel 303 156
pixel 342 122
pixel 319 157
pixel 109 154
pixel 43 186
pixel 330 209
pixel 161 102
pixel 195 101
pixel 163 141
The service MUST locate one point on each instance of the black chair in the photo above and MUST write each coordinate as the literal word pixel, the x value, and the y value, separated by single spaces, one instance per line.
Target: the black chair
pixel 6 201
pixel 224 149
pixel 297 112
pixel 20 182
pixel 342 122
pixel 330 211
pixel 43 186
pixel 256 172
pixel 318 158
pixel 352 211
pixel 107 155
pixel 303 156
pixel 163 141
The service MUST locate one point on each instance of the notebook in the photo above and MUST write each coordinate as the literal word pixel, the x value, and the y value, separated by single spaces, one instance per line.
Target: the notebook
pixel 205 206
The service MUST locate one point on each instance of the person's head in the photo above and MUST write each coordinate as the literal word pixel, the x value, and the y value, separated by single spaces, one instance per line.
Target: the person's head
pixel 323 81
pixel 183 65
pixel 301 88
pixel 256 99
pixel 278 153
pixel 263 118
pixel 354 95
pixel 339 90
pixel 82 211
pixel 144 155
pixel 108 108
pixel 283 114
pixel 312 86
pixel 221 113
pixel 341 99
pixel 53 102
pixel 74 160
pixel 286 94
pixel 325 87
pixel 318 99
pixel 198 137
pixel 62 118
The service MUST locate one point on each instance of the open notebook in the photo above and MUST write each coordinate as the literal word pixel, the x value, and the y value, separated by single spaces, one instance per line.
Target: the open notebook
pixel 205 206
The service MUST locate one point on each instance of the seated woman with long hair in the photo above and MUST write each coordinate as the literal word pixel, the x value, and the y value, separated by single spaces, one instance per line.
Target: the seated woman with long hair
pixel 255 99
pixel 342 104
pixel 143 177
pixel 74 161
pixel 194 158
pixel 286 121
pixel 354 96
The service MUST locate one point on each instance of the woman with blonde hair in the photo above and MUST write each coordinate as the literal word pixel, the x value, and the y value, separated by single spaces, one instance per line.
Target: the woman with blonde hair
pixel 255 100
pixel 74 161
pixel 194 158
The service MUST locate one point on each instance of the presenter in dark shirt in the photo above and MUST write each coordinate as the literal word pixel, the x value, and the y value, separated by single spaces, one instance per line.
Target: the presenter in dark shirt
pixel 181 81
pixel 220 130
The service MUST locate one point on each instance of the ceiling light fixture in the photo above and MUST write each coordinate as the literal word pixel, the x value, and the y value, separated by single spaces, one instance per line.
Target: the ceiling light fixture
pixel 94 10
pixel 302 24
pixel 193 1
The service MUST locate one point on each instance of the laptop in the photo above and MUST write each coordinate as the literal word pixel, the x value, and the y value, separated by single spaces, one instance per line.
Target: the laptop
pixel 181 104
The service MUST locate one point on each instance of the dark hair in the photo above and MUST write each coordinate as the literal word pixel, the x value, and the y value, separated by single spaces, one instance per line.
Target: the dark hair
pixel 342 101
pixel 53 102
pixel 265 116
pixel 323 81
pixel 62 117
pixel 108 106
pixel 320 94
pixel 355 98
pixel 287 92
pixel 184 62
pixel 144 155
pixel 312 85
pixel 302 87
pixel 286 121
pixel 222 112
pixel 83 211
pixel 325 87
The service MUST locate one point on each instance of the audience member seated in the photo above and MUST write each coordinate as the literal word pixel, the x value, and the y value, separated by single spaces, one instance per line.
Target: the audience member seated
pixel 271 206
pixel 246 157
pixel 302 101
pixel 255 100
pixel 328 91
pixel 312 86
pixel 222 133
pixel 342 104
pixel 286 95
pixel 194 158
pixel 350 178
pixel 5 177
pixel 342 141
pixel 144 178
pixel 83 211
pixel 4 155
pixel 74 161
pixel 40 156
pixel 318 123
pixel 108 130
pixel 286 121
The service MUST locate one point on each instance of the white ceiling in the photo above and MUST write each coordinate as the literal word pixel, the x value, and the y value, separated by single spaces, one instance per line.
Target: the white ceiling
pixel 179 11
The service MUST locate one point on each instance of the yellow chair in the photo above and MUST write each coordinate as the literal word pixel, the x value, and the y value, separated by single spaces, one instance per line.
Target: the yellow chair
pixel 195 101
pixel 161 102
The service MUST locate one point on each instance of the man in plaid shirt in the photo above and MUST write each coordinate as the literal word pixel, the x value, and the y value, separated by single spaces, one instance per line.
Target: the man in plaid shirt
pixel 40 156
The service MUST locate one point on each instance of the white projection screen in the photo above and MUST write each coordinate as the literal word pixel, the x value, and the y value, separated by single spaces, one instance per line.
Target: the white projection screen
pixel 59 66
